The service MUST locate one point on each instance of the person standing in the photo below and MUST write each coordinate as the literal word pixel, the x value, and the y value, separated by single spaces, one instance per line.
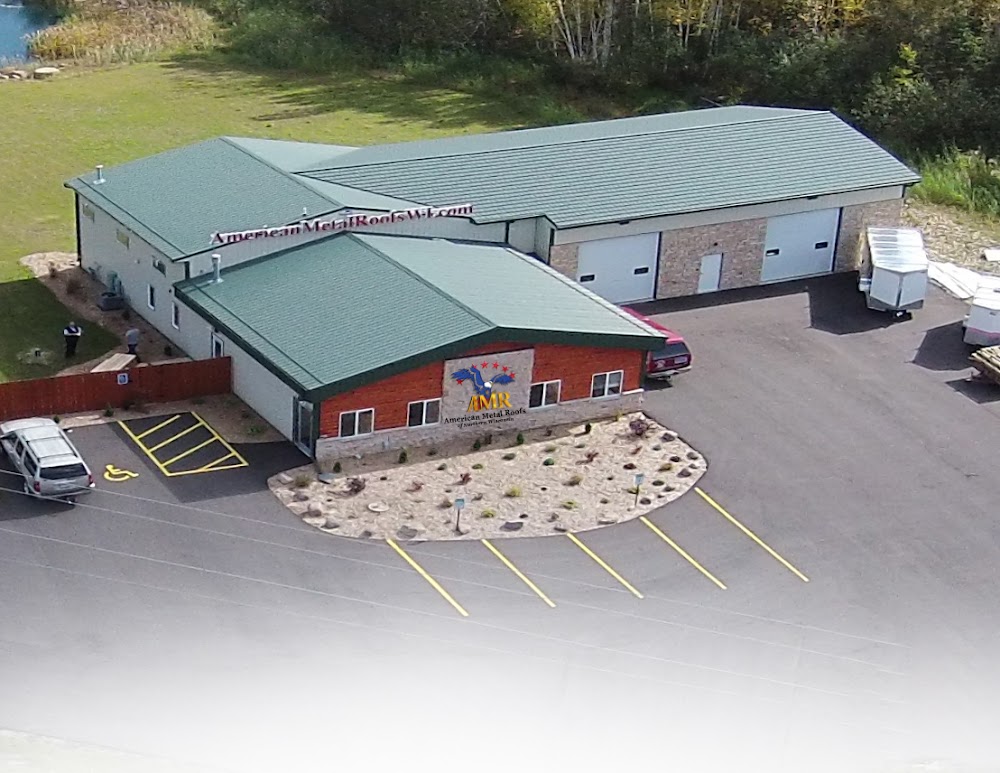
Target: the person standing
pixel 132 340
pixel 71 335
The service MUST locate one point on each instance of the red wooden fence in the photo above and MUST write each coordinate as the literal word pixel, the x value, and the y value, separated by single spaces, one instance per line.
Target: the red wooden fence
pixel 61 395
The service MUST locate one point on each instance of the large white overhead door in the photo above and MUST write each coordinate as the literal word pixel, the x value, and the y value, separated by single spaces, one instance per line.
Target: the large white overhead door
pixel 800 245
pixel 621 269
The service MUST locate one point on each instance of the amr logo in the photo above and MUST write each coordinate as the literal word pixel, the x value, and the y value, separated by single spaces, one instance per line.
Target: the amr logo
pixel 486 395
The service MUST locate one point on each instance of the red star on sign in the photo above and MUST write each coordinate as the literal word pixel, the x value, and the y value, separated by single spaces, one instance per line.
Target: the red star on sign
pixel 460 380
pixel 512 374
pixel 485 365
pixel 504 368
pixel 496 365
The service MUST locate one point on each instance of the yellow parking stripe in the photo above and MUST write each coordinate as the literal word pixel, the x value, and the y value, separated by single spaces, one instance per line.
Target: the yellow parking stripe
pixel 145 450
pixel 518 572
pixel 434 583
pixel 218 437
pixel 189 451
pixel 179 435
pixel 680 550
pixel 751 535
pixel 600 561
pixel 220 459
pixel 202 470
pixel 161 425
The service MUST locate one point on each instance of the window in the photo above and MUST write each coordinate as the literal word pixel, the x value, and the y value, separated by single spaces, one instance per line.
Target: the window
pixel 822 245
pixel 424 412
pixel 88 211
pixel 357 422
pixel 544 393
pixel 122 236
pixel 151 296
pixel 218 346
pixel 606 384
pixel 175 316
pixel 30 464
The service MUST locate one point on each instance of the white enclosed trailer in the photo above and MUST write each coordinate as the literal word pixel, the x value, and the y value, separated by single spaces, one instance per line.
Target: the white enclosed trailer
pixel 982 323
pixel 893 272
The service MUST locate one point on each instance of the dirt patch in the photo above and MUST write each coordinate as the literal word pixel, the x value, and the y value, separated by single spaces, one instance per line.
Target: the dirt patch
pixel 557 480
pixel 954 236
pixel 78 291
pixel 226 414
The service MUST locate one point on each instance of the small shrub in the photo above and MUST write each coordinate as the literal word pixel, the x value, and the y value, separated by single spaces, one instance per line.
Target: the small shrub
pixel 513 492
pixel 549 461
pixel 618 415
pixel 550 449
pixel 519 439
pixel 442 466
pixel 255 429
pixel 126 314
pixel 109 411
pixel 508 457
pixel 464 478
pixel 548 432
pixel 53 271
pixel 356 485
pixel 575 480
pixel 477 445
pixel 633 489
pixel 302 480
pixel 666 467
pixel 636 450
pixel 477 466
pixel 403 456
pixel 488 440
pixel 587 428
pixel 337 467
pixel 639 427
pixel 73 286
pixel 445 503
pixel 489 513
pixel 569 504
pixel 56 419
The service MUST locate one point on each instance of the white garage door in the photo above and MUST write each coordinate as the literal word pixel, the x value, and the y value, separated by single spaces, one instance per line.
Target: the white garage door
pixel 800 245
pixel 621 269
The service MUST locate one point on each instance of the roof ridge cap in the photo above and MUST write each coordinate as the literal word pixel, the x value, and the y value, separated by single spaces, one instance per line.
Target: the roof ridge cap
pixel 419 278
pixel 288 175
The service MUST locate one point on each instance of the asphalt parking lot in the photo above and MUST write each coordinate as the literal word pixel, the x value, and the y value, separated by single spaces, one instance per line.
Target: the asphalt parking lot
pixel 827 602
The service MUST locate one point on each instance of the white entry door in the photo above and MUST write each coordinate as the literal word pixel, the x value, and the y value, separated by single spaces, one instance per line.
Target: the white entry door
pixel 711 274
pixel 800 245
pixel 621 269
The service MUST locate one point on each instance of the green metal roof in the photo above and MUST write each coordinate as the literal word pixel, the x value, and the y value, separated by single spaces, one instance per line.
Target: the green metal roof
pixel 176 200
pixel 630 168
pixel 288 155
pixel 350 309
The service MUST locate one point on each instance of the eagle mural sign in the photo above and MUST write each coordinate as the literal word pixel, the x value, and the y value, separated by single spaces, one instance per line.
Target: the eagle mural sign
pixel 489 391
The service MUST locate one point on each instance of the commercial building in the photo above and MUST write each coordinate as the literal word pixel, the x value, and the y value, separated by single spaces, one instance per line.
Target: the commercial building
pixel 353 280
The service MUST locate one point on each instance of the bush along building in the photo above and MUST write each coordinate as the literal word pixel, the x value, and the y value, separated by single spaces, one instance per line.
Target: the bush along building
pixel 386 296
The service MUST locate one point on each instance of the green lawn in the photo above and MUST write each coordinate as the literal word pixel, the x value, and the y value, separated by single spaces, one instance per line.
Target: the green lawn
pixel 53 130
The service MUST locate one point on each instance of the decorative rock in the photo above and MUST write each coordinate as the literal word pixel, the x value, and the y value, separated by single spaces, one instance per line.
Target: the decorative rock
pixel 19 75
pixel 284 478
pixel 684 473
pixel 693 455
pixel 378 507
pixel 326 477
pixel 553 517
pixel 366 534
pixel 561 527
pixel 406 532
pixel 301 496
pixel 512 526
pixel 315 509
pixel 629 465
pixel 383 477
pixel 46 72
pixel 670 487
pixel 606 520
pixel 661 496
pixel 645 501
pixel 4 76
pixel 523 515
pixel 330 524
pixel 668 436
pixel 657 447
pixel 314 521
pixel 676 458
pixel 659 482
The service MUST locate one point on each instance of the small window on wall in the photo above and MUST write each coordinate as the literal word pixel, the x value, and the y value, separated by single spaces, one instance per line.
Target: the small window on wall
pixel 151 296
pixel 357 422
pixel 544 393
pixel 88 211
pixel 175 316
pixel 123 237
pixel 424 412
pixel 606 384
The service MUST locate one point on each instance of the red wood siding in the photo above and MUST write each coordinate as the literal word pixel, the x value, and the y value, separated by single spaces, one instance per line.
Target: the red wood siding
pixel 60 395
pixel 573 365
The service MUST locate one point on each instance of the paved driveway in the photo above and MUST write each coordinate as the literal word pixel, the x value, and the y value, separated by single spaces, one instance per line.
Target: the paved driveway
pixel 192 618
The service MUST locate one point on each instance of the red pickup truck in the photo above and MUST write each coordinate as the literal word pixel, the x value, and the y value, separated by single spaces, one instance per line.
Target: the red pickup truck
pixel 672 359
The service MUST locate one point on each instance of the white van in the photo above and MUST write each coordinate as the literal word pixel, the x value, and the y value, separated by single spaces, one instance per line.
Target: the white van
pixel 51 466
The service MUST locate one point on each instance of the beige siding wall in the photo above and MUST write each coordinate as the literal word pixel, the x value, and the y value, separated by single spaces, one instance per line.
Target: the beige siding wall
pixel 564 259
pixel 741 244
pixel 853 222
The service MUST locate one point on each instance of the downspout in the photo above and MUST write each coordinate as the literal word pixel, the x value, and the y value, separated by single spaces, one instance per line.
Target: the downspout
pixel 79 246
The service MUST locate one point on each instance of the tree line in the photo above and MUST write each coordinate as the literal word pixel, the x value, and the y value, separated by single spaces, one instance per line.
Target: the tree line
pixel 920 75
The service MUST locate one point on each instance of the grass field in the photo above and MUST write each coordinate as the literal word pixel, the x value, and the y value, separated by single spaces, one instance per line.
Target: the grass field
pixel 56 129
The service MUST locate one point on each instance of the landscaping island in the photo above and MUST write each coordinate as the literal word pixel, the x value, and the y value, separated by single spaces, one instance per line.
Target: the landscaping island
pixel 514 484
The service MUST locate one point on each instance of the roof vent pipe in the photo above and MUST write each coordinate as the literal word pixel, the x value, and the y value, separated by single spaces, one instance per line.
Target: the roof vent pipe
pixel 100 174
pixel 217 266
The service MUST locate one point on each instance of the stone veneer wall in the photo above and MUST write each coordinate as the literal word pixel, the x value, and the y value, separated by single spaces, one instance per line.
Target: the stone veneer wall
pixel 853 222
pixel 565 258
pixel 331 449
pixel 742 246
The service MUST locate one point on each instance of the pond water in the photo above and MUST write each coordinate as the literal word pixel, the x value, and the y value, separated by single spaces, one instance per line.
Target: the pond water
pixel 16 21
